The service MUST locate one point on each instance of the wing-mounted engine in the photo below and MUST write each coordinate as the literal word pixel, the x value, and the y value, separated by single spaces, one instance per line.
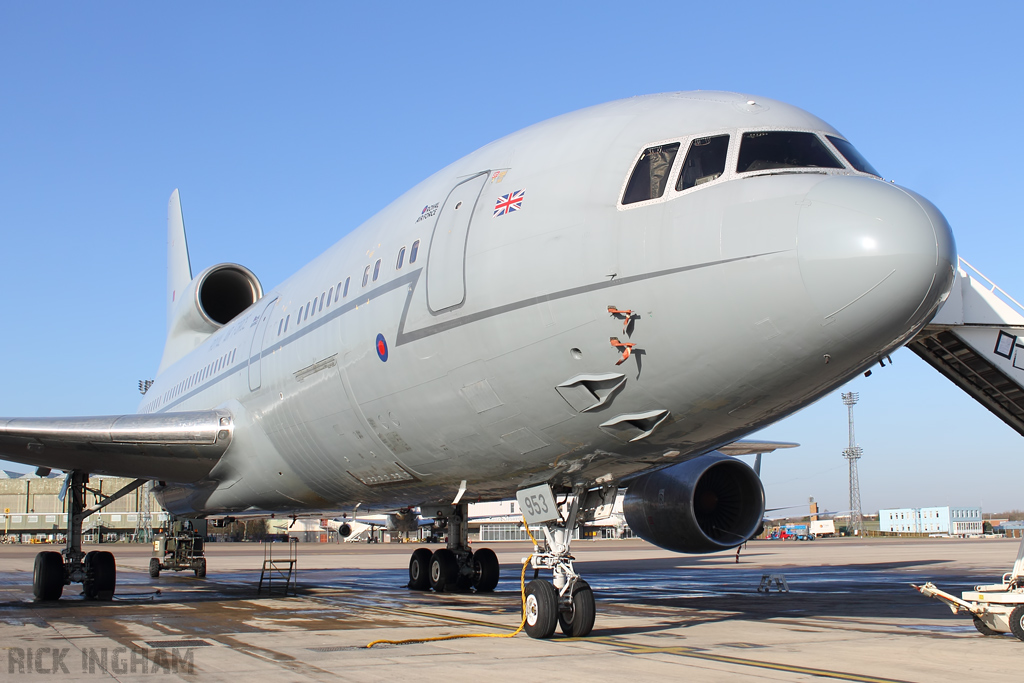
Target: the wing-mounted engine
pixel 212 299
pixel 703 505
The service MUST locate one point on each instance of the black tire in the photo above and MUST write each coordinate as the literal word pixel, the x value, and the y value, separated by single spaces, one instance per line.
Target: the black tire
pixel 541 609
pixel 89 584
pixel 154 568
pixel 983 629
pixel 1017 622
pixel 578 622
pixel 444 571
pixel 48 576
pixel 486 570
pixel 419 569
pixel 200 568
pixel 104 574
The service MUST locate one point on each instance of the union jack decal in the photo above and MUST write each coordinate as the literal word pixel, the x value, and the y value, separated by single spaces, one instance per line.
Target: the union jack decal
pixel 509 202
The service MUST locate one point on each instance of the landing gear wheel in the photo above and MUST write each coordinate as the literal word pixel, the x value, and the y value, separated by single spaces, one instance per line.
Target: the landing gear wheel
pixel 1017 622
pixel 485 570
pixel 541 609
pixel 48 576
pixel 578 621
pixel 154 568
pixel 89 584
pixel 983 629
pixel 104 575
pixel 419 569
pixel 200 568
pixel 444 571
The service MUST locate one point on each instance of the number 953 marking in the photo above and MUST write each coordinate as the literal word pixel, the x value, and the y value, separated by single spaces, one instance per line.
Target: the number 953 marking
pixel 537 504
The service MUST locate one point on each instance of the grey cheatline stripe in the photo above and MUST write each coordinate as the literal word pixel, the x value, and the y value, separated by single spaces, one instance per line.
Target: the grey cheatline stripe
pixel 404 337
pixel 412 279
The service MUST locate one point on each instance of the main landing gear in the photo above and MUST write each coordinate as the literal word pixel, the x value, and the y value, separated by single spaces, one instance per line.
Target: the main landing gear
pixel 567 601
pixel 455 568
pixel 95 570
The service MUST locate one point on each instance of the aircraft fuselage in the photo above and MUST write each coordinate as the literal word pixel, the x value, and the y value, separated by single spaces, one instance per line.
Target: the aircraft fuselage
pixel 490 358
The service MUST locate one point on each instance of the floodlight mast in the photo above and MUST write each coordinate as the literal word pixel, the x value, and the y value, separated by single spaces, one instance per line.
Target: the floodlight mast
pixel 852 455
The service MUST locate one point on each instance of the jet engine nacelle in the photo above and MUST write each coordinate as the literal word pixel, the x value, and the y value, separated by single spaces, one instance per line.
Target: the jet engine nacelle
pixel 214 298
pixel 713 502
pixel 345 530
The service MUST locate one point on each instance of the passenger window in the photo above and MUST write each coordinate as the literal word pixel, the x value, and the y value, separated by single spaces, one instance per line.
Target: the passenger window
pixel 289 317
pixel 413 251
pixel 766 150
pixel 346 286
pixel 321 306
pixel 366 275
pixel 650 174
pixel 306 314
pixel 330 295
pixel 376 270
pixel 704 162
pixel 401 257
pixel 853 156
pixel 337 292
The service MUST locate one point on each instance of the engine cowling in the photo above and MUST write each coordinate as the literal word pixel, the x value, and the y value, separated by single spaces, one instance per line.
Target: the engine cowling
pixel 214 298
pixel 711 503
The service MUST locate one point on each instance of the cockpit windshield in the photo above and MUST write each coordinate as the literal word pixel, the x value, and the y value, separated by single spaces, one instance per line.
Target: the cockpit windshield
pixel 766 150
pixel 853 156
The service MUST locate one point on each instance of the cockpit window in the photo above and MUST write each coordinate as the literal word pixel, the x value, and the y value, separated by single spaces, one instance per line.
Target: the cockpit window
pixel 853 156
pixel 705 161
pixel 651 173
pixel 766 150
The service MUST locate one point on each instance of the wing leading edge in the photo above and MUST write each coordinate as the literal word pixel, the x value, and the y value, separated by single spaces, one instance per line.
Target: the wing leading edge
pixel 178 447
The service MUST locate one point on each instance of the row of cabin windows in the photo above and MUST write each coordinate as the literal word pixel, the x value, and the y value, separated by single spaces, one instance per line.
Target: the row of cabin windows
pixel 199 376
pixel 334 294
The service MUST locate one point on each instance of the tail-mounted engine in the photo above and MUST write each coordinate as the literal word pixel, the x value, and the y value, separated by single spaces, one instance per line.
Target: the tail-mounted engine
pixel 703 505
pixel 212 299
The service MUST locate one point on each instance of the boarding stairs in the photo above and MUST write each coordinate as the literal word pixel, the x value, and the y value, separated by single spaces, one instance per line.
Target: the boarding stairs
pixel 977 341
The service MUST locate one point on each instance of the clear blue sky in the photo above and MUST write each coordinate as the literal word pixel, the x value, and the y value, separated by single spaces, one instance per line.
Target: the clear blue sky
pixel 285 125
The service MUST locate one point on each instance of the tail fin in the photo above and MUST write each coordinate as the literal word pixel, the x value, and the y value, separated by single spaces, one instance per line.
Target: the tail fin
pixel 179 270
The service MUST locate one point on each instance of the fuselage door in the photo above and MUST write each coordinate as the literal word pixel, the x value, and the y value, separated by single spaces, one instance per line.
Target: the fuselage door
pixel 446 272
pixel 256 347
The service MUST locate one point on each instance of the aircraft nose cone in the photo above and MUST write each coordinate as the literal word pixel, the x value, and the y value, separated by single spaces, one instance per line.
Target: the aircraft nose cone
pixel 874 256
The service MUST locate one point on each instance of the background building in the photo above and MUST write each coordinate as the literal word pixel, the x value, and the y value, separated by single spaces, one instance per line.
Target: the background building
pixel 31 510
pixel 956 521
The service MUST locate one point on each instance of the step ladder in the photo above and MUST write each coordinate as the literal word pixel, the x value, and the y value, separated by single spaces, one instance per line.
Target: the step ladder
pixel 279 568
pixel 977 341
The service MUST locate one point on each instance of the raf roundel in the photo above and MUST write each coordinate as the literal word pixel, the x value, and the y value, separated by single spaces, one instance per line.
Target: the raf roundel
pixel 382 348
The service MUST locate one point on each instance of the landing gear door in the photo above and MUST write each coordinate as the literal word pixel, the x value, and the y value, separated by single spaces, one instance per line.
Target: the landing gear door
pixel 256 347
pixel 446 272
pixel 537 504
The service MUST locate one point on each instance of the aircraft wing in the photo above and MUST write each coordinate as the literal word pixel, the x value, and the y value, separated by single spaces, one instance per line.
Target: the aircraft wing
pixel 178 447
pixel 755 447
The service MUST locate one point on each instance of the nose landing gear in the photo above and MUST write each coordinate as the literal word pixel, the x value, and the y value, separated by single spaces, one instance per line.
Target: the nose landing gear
pixel 567 601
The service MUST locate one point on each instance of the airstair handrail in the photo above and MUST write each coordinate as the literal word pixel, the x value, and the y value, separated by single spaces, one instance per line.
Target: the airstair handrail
pixel 993 287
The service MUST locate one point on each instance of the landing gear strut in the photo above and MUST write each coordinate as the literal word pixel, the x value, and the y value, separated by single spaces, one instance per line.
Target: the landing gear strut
pixel 95 570
pixel 567 601
pixel 454 568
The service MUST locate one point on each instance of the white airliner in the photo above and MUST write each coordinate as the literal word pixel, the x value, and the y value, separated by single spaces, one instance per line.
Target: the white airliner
pixel 611 298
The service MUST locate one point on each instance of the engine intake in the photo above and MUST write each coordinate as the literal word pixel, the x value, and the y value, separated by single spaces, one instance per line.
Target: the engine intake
pixel 225 290
pixel 713 502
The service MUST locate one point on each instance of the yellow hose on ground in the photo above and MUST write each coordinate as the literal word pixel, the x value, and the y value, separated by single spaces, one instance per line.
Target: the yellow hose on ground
pixel 522 624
